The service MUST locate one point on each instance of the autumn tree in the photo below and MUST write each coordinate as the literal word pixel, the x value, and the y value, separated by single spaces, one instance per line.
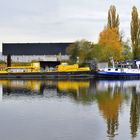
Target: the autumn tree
pixel 113 18
pixel 110 39
pixel 135 33
pixel 111 45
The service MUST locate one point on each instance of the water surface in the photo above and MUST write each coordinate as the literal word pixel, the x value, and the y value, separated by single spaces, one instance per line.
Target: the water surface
pixel 69 110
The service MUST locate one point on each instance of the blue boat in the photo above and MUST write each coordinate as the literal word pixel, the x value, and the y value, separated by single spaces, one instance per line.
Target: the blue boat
pixel 123 70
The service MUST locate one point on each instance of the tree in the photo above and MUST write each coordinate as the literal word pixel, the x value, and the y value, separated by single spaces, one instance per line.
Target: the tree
pixel 80 49
pixel 72 50
pixel 113 18
pixel 110 40
pixel 96 52
pixel 134 114
pixel 127 53
pixel 109 104
pixel 111 45
pixel 135 33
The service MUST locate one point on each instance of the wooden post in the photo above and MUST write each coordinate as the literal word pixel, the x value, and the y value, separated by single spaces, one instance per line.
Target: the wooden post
pixel 8 60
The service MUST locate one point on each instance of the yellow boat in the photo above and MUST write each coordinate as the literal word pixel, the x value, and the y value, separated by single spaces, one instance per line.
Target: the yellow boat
pixel 34 71
pixel 64 67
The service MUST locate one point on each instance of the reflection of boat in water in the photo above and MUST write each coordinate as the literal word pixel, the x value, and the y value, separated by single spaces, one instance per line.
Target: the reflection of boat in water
pixel 72 85
pixel 123 85
pixel 123 70
pixel 43 86
pixel 78 90
pixel 21 85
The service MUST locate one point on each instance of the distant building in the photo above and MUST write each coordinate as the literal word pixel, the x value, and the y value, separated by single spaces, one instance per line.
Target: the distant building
pixel 3 57
pixel 27 52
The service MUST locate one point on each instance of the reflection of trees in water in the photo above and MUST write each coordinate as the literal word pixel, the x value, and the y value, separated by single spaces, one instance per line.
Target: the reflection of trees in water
pixel 109 97
pixel 109 100
pixel 109 104
pixel 134 113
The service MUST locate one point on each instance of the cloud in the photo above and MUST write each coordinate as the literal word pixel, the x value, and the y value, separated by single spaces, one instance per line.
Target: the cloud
pixel 59 20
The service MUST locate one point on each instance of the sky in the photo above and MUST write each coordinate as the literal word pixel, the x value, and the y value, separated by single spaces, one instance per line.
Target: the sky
pixel 59 20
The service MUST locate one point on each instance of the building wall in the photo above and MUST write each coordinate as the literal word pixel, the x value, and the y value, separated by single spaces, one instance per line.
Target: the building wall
pixel 29 58
pixel 2 57
pixel 27 52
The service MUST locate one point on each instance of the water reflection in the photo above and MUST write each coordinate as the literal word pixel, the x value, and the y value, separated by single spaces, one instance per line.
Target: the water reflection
pixel 110 99
pixel 109 96
pixel 134 113
pixel 109 103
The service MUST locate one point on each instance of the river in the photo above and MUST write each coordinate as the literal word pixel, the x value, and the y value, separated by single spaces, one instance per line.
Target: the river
pixel 69 110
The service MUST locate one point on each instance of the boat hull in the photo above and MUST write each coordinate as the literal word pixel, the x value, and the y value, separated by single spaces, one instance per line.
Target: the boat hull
pixel 48 75
pixel 116 75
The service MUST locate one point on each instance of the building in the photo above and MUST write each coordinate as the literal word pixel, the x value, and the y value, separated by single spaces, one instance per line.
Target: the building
pixel 27 52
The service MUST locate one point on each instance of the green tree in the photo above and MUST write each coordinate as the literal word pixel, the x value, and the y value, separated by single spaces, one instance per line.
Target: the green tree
pixel 72 50
pixel 80 49
pixel 96 52
pixel 127 53
pixel 135 33
pixel 113 18
pixel 114 21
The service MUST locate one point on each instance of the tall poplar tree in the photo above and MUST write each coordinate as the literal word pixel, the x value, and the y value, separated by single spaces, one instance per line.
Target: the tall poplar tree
pixel 135 33
pixel 110 38
pixel 113 18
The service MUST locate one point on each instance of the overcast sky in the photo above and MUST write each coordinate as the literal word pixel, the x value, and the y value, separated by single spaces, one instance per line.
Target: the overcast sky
pixel 59 20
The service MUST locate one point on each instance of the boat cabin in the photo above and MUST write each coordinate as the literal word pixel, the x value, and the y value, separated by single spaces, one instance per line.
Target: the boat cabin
pixel 125 66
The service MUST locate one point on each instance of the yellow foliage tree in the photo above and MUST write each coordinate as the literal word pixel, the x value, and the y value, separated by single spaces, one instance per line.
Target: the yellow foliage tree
pixel 111 45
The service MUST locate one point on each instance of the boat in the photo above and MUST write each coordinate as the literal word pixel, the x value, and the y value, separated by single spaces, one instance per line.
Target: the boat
pixel 123 70
pixel 34 71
